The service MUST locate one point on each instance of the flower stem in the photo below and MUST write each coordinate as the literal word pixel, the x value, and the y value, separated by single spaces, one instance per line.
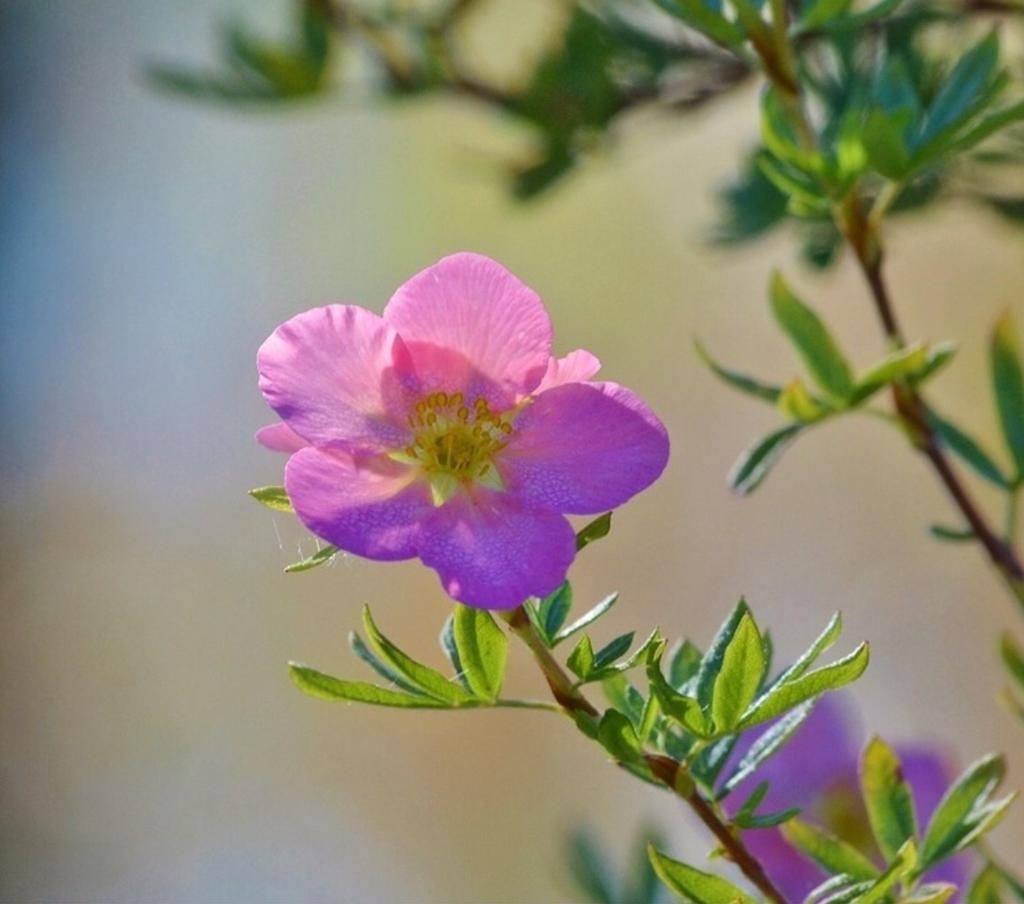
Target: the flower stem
pixel 664 768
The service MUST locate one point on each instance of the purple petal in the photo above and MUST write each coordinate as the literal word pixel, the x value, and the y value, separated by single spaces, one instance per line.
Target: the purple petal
pixel 372 507
pixel 340 377
pixel 482 316
pixel 584 448
pixel 280 438
pixel 493 554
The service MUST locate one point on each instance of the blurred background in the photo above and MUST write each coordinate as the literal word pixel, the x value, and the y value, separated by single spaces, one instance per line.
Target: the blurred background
pixel 153 748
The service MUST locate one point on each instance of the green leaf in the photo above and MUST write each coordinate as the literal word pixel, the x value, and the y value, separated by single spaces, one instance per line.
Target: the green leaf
pixel 706 20
pixel 829 852
pixel 968 450
pixel 711 664
pixel 748 385
pixel 887 797
pixel 447 640
pixel 900 365
pixel 429 680
pixel 797 404
pixel 753 465
pixel 587 866
pixel 1008 380
pixel 879 891
pixel 692 884
pixel 883 140
pixel 988 126
pixel 1013 657
pixel 932 893
pixel 683 664
pixel 581 659
pixel 784 696
pixel 766 746
pixel 746 817
pixel 553 610
pixel 320 557
pixel 987 887
pixel 587 618
pixel 273 498
pixel 951 534
pixel 379 666
pixel 597 529
pixel 616 734
pixel 683 709
pixel 962 806
pixel 812 340
pixel 738 680
pixel 957 98
pixel 821 643
pixel 326 687
pixel 613 650
pixel 483 651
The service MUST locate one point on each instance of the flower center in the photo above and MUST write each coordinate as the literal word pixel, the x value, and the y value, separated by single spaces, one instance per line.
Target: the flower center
pixel 455 443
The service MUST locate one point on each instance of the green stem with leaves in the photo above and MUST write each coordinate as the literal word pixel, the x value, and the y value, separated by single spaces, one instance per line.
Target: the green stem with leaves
pixel 667 770
pixel 862 231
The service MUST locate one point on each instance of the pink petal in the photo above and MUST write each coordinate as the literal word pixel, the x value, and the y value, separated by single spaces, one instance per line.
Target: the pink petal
pixel 371 506
pixel 472 326
pixel 340 377
pixel 584 448
pixel 280 438
pixel 492 553
pixel 576 367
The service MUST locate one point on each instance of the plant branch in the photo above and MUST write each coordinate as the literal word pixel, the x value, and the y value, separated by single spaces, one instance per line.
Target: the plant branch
pixel 664 768
pixel 862 232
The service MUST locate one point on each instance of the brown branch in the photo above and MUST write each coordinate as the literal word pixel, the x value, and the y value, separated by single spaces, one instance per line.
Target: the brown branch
pixel 664 768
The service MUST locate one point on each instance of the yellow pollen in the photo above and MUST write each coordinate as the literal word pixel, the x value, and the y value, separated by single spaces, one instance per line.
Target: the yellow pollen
pixel 455 445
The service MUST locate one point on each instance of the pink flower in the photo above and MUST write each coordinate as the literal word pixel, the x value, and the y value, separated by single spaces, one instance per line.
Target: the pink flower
pixel 445 430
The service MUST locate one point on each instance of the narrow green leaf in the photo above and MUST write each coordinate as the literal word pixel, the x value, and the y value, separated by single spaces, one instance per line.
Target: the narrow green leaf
pixel 616 734
pixel 968 450
pixel 955 816
pixel 273 498
pixel 613 650
pixel 748 385
pixel 1013 657
pixel 784 696
pixel 829 852
pixel 581 659
pixel 932 893
pixel 683 663
pixel 957 97
pixel 553 610
pixel 879 891
pixel 320 557
pixel 587 618
pixel 987 887
pixel 797 404
pixel 597 529
pixel 900 365
pixel 683 709
pixel 379 666
pixel 702 17
pixel 951 534
pixel 1008 380
pixel 653 643
pixel 821 643
pixel 711 664
pixel 326 687
pixel 884 143
pixel 753 465
pixel 812 340
pixel 447 640
pixel 483 650
pixel 692 884
pixel 888 798
pixel 429 680
pixel 766 746
pixel 587 866
pixel 988 126
pixel 738 680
